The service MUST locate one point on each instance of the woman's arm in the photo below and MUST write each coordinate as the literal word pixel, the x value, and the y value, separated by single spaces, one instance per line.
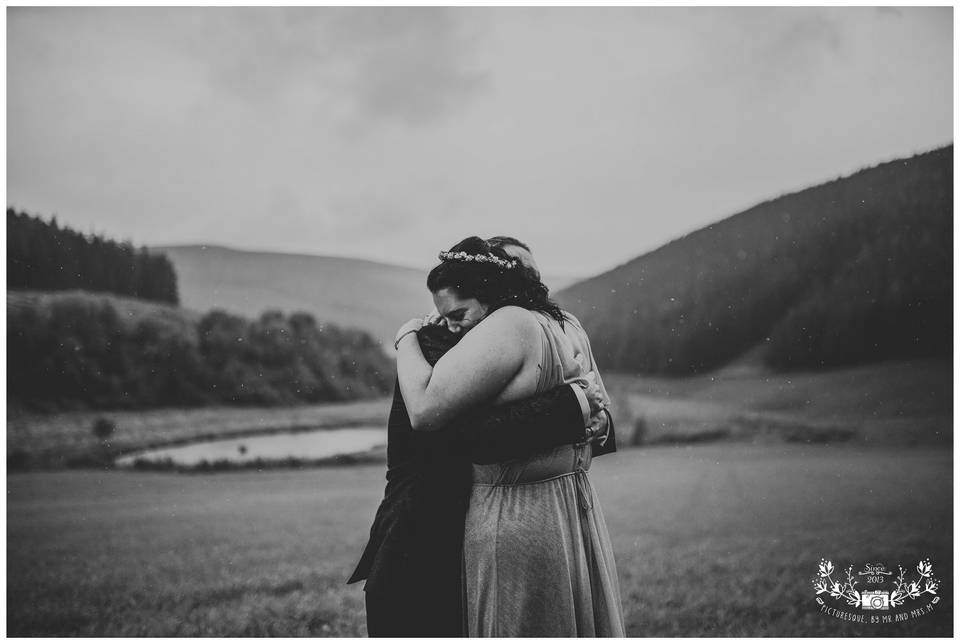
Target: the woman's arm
pixel 476 370
pixel 517 429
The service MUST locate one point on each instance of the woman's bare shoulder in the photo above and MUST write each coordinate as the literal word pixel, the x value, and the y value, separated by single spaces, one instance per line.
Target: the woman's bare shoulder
pixel 515 316
pixel 509 321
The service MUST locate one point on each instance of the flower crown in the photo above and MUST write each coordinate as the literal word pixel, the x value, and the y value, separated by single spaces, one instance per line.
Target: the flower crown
pixel 463 256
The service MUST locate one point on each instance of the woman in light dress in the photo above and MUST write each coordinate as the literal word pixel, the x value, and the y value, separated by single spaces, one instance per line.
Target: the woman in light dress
pixel 537 556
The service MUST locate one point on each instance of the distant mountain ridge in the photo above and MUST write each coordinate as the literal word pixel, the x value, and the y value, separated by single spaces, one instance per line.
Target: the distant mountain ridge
pixel 349 292
pixel 855 270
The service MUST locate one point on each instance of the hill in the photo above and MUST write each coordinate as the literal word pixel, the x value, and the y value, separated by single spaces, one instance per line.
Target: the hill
pixel 371 296
pixel 855 270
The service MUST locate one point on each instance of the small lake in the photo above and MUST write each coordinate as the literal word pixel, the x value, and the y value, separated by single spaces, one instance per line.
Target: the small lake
pixel 304 445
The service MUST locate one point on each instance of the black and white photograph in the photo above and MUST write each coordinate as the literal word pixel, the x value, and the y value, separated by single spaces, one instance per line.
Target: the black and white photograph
pixel 479 321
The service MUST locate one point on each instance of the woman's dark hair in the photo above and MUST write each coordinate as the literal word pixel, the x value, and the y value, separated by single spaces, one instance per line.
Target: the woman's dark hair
pixel 492 284
pixel 507 241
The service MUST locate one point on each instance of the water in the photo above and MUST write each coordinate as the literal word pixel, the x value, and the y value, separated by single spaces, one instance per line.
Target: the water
pixel 305 445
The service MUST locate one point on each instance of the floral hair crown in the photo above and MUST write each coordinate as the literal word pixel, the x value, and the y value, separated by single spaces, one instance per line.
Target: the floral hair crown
pixel 463 256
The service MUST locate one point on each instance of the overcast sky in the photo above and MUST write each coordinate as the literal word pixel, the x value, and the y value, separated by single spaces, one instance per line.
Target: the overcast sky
pixel 594 134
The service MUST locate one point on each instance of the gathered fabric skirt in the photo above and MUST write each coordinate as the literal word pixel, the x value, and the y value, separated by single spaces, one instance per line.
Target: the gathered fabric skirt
pixel 537 556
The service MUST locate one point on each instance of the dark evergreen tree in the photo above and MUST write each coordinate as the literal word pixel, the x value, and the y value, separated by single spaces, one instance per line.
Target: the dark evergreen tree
pixel 47 257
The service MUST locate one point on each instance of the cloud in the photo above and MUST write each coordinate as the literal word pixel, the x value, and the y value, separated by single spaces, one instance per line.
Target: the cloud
pixel 397 64
pixel 810 31
pixel 410 63
pixel 384 207
pixel 256 54
pixel 763 51
pixel 890 11
pixel 347 130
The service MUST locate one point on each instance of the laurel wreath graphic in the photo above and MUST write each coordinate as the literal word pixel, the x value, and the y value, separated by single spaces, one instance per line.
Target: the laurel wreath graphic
pixel 902 590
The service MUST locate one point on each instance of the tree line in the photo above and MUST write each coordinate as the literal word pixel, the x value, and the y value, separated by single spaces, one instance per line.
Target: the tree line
pixel 80 350
pixel 42 255
pixel 855 270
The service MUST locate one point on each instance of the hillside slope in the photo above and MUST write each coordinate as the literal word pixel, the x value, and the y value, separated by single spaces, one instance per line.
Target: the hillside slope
pixel 371 296
pixel 855 270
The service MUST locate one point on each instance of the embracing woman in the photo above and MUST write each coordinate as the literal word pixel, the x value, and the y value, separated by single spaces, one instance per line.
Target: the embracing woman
pixel 537 555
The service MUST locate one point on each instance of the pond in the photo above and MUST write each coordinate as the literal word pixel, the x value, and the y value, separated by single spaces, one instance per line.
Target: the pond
pixel 304 445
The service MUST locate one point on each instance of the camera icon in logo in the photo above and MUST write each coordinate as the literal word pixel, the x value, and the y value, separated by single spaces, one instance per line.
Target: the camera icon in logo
pixel 875 600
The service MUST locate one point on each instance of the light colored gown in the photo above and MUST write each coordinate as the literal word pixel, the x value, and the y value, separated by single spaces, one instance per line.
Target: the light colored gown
pixel 537 556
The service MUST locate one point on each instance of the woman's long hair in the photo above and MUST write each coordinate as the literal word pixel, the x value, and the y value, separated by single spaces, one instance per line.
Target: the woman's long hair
pixel 492 284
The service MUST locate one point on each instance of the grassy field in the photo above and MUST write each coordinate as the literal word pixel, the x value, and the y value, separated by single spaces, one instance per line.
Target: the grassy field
pixel 904 403
pixel 717 539
pixel 899 403
pixel 66 439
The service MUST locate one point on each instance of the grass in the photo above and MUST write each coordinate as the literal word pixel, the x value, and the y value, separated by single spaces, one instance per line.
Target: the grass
pixel 717 539
pixel 66 439
pixel 900 403
pixel 904 403
pixel 128 309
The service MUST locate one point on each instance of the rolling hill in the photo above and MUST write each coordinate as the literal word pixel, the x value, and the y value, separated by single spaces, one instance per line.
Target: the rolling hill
pixel 372 296
pixel 351 293
pixel 855 270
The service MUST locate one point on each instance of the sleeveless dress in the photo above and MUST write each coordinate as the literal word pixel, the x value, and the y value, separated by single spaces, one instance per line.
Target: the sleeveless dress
pixel 537 556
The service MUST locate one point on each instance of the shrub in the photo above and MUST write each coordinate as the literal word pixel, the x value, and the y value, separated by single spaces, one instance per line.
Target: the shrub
pixel 639 435
pixel 80 350
pixel 103 428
